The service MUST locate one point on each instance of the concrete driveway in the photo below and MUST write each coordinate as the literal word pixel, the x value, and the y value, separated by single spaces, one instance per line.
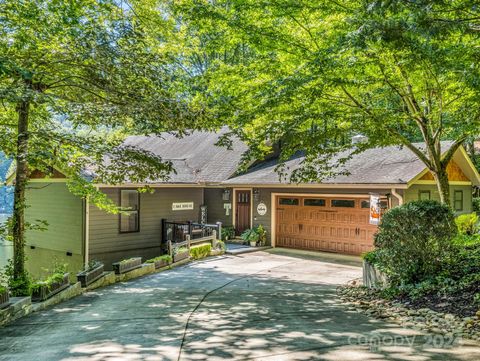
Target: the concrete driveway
pixel 277 305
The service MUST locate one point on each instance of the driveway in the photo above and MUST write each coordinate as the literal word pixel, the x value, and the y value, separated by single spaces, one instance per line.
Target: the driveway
pixel 277 305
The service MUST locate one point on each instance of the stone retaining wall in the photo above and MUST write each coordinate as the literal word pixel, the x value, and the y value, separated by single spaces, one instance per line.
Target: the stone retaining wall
pixel 372 277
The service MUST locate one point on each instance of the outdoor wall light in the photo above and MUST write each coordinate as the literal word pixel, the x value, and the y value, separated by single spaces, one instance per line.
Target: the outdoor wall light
pixel 226 195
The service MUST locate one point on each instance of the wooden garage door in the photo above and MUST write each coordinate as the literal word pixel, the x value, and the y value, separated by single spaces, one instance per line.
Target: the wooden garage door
pixel 333 224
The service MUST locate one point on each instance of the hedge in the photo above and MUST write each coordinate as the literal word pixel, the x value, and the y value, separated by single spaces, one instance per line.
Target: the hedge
pixel 200 251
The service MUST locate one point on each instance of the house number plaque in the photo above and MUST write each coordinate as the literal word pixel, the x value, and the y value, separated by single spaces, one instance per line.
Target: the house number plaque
pixel 182 206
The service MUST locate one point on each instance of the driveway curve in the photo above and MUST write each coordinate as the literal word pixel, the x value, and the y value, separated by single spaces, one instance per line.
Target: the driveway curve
pixel 276 305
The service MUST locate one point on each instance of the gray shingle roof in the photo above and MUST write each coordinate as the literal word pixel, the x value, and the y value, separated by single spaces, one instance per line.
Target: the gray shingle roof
pixel 386 165
pixel 195 157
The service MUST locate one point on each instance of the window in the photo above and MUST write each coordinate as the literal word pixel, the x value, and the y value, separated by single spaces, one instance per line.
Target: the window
pixel 345 203
pixel 288 201
pixel 365 204
pixel 424 195
pixel 314 202
pixel 458 200
pixel 129 204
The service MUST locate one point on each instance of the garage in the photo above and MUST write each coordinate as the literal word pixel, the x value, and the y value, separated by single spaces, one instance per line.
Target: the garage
pixel 334 224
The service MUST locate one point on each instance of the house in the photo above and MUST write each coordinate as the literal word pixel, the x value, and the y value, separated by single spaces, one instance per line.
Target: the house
pixel 333 215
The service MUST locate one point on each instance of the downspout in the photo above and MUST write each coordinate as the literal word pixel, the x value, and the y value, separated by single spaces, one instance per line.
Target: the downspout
pixel 398 196
pixel 87 229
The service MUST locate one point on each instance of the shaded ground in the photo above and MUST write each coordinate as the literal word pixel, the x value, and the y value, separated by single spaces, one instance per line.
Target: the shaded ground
pixel 279 305
pixel 461 303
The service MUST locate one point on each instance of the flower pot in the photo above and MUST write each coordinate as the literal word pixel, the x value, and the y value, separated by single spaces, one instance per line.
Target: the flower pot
pixel 181 256
pixel 4 299
pixel 88 277
pixel 46 291
pixel 253 243
pixel 127 265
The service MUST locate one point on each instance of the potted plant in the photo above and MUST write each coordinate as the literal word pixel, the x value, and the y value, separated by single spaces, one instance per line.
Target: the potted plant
pixel 42 290
pixel 180 253
pixel 228 233
pixel 262 235
pixel 127 265
pixel 92 272
pixel 250 236
pixel 161 261
pixel 4 297
pixel 256 236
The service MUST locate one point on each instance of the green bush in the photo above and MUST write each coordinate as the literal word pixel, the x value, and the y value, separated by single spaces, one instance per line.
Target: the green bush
pixel 476 204
pixel 220 245
pixel 467 223
pixel 17 287
pixel 370 257
pixel 200 251
pixel 228 233
pixel 178 250
pixel 165 257
pixel 413 240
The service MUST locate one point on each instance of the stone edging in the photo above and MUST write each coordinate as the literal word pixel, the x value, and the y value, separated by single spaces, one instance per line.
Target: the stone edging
pixel 424 319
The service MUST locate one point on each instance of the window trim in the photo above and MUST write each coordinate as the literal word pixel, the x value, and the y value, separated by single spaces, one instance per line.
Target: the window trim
pixel 120 214
pixel 420 192
pixel 460 200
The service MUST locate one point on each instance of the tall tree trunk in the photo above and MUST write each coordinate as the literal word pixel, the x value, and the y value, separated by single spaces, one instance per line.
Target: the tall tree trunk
pixel 18 229
pixel 443 186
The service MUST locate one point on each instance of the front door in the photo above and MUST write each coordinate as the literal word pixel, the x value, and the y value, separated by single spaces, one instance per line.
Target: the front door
pixel 242 211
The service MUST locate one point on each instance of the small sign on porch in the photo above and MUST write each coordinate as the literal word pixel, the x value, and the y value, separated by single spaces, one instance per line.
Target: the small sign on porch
pixel 182 206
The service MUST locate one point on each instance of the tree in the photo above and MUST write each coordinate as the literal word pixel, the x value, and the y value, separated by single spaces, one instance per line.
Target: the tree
pixel 398 72
pixel 75 78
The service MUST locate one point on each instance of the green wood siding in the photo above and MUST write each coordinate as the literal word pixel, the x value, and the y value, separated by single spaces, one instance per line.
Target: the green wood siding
pixel 53 203
pixel 215 203
pixel 108 245
pixel 412 194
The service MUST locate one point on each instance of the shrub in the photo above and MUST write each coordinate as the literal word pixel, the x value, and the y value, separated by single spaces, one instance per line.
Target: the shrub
pixel 220 245
pixel 467 223
pixel 467 240
pixel 228 233
pixel 413 240
pixel 18 287
pixel 201 251
pixel 92 264
pixel 476 204
pixel 177 250
pixel 165 257
pixel 370 257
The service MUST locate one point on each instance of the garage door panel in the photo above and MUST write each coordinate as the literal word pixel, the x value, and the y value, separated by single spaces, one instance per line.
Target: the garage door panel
pixel 327 228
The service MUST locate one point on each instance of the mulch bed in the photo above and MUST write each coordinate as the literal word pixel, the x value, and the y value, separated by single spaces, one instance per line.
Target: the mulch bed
pixel 460 303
